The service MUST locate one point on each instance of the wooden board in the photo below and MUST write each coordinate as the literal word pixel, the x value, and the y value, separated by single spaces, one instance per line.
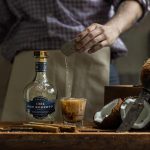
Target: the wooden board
pixel 75 141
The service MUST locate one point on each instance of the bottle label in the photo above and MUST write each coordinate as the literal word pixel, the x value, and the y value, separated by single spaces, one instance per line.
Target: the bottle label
pixel 41 66
pixel 40 107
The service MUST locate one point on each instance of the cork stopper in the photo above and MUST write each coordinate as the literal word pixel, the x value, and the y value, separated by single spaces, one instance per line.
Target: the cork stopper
pixel 40 54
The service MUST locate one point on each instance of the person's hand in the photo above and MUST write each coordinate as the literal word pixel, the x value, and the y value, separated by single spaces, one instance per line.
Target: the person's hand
pixel 95 37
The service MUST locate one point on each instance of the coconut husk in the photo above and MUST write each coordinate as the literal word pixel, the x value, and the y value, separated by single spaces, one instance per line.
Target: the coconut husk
pixel 145 74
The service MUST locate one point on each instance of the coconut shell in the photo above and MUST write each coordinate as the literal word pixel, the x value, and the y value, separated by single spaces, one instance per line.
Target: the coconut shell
pixel 145 74
pixel 113 120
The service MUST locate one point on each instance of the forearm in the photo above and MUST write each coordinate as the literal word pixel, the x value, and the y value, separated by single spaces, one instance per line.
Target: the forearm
pixel 97 36
pixel 127 14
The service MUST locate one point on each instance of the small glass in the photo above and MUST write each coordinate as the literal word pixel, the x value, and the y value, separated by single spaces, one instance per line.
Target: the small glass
pixel 73 110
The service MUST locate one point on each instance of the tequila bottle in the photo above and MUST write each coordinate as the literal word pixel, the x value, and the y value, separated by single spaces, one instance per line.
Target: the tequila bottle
pixel 40 95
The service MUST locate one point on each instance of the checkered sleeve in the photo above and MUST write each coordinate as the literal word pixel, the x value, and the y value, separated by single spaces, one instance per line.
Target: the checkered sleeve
pixel 145 5
pixel 6 19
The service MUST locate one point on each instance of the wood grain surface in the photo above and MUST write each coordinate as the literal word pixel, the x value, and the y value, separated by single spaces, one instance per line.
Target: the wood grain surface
pixel 75 141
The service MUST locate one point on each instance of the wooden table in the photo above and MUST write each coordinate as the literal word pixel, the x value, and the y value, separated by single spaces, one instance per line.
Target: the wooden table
pixel 75 141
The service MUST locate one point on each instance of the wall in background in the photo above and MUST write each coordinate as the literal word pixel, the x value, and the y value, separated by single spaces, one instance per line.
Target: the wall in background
pixel 137 40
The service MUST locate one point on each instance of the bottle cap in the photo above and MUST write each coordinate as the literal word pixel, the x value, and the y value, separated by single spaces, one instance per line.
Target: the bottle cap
pixel 41 54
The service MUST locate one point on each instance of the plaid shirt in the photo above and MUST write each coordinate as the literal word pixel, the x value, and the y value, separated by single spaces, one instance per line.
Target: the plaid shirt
pixel 47 24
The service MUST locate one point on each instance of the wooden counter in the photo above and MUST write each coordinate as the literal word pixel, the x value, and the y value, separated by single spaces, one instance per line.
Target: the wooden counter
pixel 75 141
pixel 80 140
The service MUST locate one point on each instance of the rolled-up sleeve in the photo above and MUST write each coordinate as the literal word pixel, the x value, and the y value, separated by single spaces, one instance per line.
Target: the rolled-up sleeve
pixel 6 19
pixel 145 5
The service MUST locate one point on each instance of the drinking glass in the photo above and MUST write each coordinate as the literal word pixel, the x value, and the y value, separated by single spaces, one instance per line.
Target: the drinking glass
pixel 73 110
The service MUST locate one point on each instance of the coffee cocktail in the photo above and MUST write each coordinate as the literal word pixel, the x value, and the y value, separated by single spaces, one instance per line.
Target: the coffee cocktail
pixel 73 109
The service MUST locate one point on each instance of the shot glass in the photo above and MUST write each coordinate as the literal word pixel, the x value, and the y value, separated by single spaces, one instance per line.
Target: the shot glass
pixel 73 110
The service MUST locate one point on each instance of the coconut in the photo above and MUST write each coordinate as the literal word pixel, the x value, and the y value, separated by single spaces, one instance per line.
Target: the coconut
pixel 145 74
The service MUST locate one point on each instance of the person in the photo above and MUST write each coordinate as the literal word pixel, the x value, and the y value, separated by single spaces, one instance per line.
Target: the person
pixel 95 25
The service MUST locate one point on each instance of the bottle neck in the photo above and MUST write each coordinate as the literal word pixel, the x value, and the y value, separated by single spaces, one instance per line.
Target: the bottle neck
pixel 40 69
pixel 41 77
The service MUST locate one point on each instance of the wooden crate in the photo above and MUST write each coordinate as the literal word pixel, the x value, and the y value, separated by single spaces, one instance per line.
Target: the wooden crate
pixel 120 91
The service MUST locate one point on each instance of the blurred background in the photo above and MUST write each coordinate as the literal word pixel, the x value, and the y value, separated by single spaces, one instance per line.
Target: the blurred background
pixel 137 41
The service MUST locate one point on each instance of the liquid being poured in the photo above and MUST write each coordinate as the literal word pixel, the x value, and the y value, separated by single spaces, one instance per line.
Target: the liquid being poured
pixel 68 78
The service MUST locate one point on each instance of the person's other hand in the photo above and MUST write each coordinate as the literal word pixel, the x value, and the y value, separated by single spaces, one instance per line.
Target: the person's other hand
pixel 95 37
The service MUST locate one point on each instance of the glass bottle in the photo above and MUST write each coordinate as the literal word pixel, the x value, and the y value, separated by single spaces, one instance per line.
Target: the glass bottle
pixel 40 95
